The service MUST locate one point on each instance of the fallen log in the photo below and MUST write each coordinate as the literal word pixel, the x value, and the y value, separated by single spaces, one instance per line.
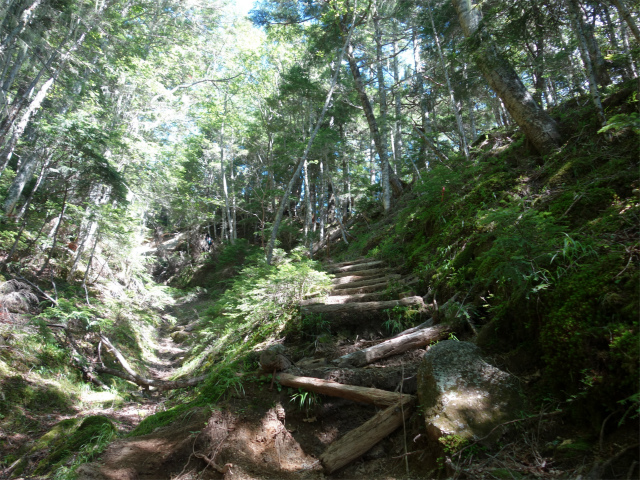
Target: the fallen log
pixel 383 378
pixel 394 346
pixel 334 389
pixel 360 440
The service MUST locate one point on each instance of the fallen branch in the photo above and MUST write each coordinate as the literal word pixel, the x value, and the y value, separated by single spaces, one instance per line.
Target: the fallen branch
pixel 45 295
pixel 132 376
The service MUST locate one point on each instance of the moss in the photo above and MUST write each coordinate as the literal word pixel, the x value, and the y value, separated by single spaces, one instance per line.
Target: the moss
pixel 68 437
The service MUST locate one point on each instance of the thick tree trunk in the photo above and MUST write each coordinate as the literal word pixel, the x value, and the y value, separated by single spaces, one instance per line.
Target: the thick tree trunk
pixel 541 130
pixel 358 441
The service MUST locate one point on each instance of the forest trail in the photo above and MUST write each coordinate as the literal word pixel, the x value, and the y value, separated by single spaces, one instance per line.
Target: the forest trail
pixel 277 433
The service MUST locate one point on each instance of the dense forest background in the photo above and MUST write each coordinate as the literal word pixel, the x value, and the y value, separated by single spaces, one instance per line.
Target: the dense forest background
pixel 491 150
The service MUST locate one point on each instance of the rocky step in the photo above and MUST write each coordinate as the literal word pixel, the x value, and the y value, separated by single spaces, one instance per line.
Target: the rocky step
pixel 354 267
pixel 380 272
pixel 338 299
pixel 366 281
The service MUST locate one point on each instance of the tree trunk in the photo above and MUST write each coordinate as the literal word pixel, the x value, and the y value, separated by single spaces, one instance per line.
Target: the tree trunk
pixel 624 13
pixel 454 105
pixel 541 130
pixel 398 99
pixel 24 174
pixel 296 174
pixel 373 127
pixel 55 232
pixel 578 26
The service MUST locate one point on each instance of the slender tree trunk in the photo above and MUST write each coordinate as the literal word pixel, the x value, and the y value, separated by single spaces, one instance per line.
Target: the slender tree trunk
pixel 541 130
pixel 576 19
pixel 55 232
pixel 296 174
pixel 624 13
pixel 454 105
pixel 323 200
pixel 398 99
pixel 93 252
pixel 225 189
pixel 307 204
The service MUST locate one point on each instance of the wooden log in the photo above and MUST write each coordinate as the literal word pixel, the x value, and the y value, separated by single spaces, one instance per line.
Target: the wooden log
pixel 357 394
pixel 369 272
pixel 358 441
pixel 357 261
pixel 362 307
pixel 387 378
pixel 394 346
pixel 339 299
pixel 375 287
pixel 355 267
pixel 356 277
pixel 376 279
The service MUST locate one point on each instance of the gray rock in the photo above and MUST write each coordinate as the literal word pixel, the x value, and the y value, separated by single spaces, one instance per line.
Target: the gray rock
pixel 464 396
pixel 274 358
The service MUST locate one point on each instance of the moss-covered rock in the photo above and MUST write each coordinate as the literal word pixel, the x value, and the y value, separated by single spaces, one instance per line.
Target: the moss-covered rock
pixel 464 397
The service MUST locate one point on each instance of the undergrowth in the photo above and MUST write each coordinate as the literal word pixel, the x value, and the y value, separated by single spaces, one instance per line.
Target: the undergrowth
pixel 544 254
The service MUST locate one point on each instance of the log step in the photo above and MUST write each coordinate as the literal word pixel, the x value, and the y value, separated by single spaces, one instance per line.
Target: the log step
pixel 373 288
pixel 339 299
pixel 376 279
pixel 348 262
pixel 359 308
pixel 355 267
pixel 363 273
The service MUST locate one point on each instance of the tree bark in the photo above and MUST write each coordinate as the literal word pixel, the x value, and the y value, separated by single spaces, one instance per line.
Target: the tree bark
pixel 360 440
pixel 541 130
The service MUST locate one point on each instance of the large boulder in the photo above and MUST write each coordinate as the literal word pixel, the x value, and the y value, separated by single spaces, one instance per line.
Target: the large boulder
pixel 464 397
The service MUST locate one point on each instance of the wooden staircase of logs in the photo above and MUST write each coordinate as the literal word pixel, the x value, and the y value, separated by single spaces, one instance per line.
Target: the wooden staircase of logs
pixel 358 295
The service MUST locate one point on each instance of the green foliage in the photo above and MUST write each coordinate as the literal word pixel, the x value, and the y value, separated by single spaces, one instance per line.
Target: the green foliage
pixel 399 318
pixel 622 121
pixel 305 400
